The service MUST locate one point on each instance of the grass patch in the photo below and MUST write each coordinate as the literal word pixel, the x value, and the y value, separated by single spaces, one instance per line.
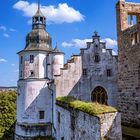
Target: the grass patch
pixel 93 109
pixel 129 131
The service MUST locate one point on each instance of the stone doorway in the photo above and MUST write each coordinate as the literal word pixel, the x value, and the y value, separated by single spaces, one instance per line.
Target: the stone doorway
pixel 99 95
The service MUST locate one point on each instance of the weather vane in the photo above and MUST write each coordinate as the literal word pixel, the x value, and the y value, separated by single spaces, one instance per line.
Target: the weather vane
pixel 38 4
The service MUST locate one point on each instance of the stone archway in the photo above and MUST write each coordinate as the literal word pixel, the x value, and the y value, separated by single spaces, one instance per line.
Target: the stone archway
pixel 99 95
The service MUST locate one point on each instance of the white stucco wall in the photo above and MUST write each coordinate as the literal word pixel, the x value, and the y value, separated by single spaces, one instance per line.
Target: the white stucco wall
pixel 33 96
pixel 39 66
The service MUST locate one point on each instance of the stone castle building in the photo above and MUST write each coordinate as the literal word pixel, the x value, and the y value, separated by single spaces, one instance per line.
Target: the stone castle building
pixel 89 77
pixel 128 31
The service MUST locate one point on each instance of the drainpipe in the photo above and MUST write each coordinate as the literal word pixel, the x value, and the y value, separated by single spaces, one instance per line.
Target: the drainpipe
pixel 52 94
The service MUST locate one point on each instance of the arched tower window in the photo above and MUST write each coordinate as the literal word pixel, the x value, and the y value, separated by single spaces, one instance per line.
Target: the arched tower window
pixel 99 95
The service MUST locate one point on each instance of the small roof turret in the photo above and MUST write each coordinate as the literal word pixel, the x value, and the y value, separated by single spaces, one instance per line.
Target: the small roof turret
pixel 95 36
pixel 39 20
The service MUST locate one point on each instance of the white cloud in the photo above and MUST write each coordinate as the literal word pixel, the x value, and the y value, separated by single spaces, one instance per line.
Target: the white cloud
pixel 12 30
pixel 110 44
pixel 66 44
pixel 3 28
pixel 114 52
pixel 76 43
pixel 2 60
pixel 54 14
pixel 12 65
pixel 6 35
pixel 16 71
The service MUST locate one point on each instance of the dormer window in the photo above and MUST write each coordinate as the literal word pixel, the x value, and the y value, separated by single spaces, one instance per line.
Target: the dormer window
pixel 31 58
pixel 97 58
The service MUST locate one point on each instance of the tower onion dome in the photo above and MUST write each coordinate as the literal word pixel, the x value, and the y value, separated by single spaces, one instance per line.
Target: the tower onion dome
pixel 38 38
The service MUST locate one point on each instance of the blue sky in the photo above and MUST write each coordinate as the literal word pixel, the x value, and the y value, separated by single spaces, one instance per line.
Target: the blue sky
pixel 70 24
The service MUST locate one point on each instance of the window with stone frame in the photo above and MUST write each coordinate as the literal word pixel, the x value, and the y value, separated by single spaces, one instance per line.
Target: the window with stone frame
pixel 41 115
pixel 134 38
pixel 85 72
pixel 109 72
pixel 97 58
pixel 31 58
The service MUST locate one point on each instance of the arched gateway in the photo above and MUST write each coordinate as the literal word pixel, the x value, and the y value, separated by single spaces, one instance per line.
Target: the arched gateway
pixel 99 95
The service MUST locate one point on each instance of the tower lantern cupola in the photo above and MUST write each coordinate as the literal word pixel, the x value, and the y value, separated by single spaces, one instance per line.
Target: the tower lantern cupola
pixel 39 20
pixel 95 37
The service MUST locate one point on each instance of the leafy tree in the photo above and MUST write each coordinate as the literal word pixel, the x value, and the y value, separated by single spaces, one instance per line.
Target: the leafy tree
pixel 7 115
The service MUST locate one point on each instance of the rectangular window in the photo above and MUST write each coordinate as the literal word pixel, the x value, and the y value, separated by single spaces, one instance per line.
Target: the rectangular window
pixel 31 58
pixel 85 72
pixel 62 138
pixel 59 117
pixel 137 107
pixel 41 115
pixel 97 58
pixel 136 38
pixel 21 59
pixel 31 73
pixel 21 73
pixel 109 72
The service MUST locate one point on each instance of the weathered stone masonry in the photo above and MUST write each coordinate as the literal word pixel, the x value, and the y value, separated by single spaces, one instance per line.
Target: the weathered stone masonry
pixel 74 124
pixel 128 27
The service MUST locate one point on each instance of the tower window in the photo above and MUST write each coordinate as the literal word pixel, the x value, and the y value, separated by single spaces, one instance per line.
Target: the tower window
pixel 21 59
pixel 32 73
pixel 31 58
pixel 85 72
pixel 41 115
pixel 20 73
pixel 59 117
pixel 109 72
pixel 97 58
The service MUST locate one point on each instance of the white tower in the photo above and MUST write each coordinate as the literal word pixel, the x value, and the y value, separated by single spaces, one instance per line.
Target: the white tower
pixel 36 93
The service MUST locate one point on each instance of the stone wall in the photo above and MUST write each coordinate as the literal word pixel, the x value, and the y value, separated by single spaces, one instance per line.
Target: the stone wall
pixel 77 125
pixel 129 64
pixel 111 126
pixel 69 76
